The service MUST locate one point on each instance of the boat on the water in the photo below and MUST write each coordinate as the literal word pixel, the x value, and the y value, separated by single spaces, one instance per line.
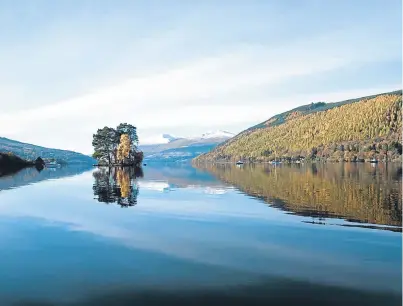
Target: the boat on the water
pixel 239 162
pixel 373 161
pixel 52 164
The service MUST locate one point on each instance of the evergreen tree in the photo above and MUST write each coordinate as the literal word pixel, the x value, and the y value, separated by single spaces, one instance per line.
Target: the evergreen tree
pixel 120 144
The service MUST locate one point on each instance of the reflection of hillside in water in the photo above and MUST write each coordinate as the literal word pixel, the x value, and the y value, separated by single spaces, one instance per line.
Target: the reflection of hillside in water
pixel 165 176
pixel 356 192
pixel 31 175
pixel 117 185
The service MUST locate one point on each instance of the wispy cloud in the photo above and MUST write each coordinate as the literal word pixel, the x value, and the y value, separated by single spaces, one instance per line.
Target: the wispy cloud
pixel 87 74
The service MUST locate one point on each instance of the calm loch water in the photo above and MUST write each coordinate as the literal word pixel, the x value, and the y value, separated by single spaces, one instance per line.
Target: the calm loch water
pixel 212 235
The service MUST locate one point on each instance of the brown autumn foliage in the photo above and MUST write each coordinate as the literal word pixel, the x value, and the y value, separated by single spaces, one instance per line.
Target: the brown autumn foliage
pixel 123 147
pixel 369 128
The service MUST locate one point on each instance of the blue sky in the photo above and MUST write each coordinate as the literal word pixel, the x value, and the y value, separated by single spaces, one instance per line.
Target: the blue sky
pixel 185 67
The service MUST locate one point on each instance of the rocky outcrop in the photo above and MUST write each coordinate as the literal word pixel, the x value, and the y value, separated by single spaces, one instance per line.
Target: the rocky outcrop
pixel 39 163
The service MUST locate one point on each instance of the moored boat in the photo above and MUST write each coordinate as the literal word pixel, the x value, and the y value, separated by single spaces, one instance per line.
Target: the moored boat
pixel 52 164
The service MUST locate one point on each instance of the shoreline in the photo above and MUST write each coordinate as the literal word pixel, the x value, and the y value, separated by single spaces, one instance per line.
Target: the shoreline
pixel 117 165
pixel 294 163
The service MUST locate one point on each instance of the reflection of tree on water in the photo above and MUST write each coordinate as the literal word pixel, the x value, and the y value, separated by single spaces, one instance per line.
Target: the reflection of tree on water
pixel 117 185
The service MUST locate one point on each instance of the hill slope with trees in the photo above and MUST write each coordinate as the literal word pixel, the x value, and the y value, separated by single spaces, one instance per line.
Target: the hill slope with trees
pixel 352 130
pixel 30 152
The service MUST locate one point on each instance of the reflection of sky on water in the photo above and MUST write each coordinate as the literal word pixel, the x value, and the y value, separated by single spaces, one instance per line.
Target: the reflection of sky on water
pixel 190 236
pixel 153 185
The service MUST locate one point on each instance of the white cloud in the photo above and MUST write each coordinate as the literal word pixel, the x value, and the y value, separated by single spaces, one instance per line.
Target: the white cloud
pixel 182 97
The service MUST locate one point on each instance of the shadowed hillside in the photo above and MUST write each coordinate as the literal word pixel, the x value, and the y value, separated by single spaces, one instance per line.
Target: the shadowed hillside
pixel 10 163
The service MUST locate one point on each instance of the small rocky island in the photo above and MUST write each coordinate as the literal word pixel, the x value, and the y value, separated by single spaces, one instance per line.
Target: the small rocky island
pixel 117 147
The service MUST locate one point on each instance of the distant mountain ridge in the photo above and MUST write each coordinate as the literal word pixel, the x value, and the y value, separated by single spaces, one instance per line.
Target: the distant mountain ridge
pixel 31 152
pixel 181 149
pixel 182 154
pixel 358 129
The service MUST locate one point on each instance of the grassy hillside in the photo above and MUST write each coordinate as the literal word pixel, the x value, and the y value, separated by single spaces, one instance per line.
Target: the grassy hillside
pixel 31 152
pixel 350 130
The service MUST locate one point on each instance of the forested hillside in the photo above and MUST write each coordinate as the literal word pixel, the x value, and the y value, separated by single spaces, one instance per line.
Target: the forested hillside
pixel 31 152
pixel 352 130
pixel 10 163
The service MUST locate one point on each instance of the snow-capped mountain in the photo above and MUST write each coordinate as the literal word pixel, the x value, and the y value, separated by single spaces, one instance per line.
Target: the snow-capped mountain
pixel 169 147
pixel 217 134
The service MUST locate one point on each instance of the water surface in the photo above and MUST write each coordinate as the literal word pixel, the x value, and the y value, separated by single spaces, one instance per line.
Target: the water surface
pixel 321 235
